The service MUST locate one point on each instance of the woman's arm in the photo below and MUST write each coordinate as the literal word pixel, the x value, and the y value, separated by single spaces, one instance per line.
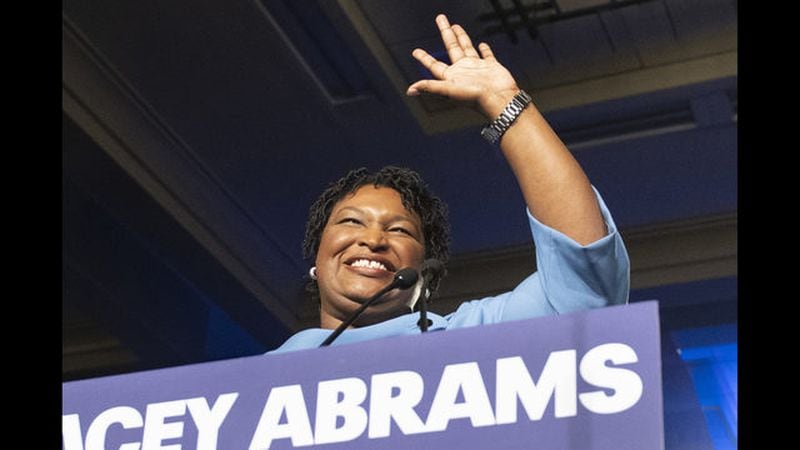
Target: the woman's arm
pixel 556 190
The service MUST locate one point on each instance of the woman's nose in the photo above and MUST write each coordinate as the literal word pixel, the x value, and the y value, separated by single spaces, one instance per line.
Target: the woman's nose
pixel 373 238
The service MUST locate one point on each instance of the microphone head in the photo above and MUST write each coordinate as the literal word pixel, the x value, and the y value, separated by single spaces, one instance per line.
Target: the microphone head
pixel 432 266
pixel 405 278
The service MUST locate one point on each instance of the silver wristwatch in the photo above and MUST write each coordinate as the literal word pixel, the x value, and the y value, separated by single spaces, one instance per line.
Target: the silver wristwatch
pixel 495 130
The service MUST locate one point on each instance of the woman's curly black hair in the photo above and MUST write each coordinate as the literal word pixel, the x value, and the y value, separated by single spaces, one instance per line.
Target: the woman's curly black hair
pixel 415 196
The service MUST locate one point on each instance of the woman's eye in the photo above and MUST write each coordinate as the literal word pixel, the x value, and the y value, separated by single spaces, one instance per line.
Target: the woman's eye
pixel 401 230
pixel 350 220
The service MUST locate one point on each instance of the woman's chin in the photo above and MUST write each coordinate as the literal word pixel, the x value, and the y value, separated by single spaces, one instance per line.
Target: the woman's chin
pixel 385 306
pixel 363 291
pixel 378 314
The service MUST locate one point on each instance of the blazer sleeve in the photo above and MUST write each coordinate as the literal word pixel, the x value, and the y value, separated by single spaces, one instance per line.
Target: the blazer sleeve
pixel 569 277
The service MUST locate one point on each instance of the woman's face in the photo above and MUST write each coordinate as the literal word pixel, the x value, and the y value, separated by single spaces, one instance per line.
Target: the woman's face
pixel 369 236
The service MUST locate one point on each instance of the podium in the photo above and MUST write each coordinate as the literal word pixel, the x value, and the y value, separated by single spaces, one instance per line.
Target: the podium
pixel 584 380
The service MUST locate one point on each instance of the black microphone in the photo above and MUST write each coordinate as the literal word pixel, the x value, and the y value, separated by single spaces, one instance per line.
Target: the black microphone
pixel 403 279
pixel 430 268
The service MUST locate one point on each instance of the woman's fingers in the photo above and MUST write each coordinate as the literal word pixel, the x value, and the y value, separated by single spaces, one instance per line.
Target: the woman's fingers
pixel 464 41
pixel 470 70
pixel 486 52
pixel 435 66
pixel 449 38
pixel 430 86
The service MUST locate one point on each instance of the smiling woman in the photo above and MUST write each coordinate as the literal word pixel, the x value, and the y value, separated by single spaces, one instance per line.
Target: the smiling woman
pixel 369 235
pixel 367 226
pixel 398 209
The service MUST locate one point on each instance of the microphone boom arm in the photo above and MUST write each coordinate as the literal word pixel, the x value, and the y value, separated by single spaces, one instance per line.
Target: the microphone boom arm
pixel 403 279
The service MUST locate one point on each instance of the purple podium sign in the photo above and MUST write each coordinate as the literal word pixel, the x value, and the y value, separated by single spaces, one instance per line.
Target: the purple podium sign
pixel 587 380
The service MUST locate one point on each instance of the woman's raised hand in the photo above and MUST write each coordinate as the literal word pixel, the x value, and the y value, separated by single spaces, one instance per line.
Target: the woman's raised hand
pixel 472 75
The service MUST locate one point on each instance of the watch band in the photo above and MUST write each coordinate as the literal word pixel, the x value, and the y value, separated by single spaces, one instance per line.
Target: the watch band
pixel 493 131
